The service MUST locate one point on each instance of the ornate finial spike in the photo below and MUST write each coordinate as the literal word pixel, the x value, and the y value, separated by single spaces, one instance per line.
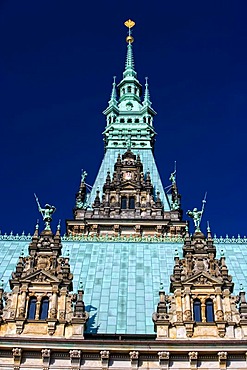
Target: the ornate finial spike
pixel 176 253
pixel 129 24
pixel 37 224
pixel 208 227
pixel 1 283
pixel 161 286
pixel 222 253
pixel 241 287
pixel 22 252
pixel 81 285
pixel 59 224
pixel 67 252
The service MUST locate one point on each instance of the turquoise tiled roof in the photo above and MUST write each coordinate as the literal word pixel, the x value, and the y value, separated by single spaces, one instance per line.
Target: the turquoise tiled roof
pixel 148 162
pixel 121 279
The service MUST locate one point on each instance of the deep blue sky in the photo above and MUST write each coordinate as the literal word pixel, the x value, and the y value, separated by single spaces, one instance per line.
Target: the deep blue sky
pixel 57 59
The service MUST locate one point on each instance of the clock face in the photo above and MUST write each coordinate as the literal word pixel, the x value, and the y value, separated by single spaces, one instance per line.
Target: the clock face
pixel 127 176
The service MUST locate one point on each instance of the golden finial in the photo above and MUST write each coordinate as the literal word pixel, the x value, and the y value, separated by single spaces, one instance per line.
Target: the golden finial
pixel 129 24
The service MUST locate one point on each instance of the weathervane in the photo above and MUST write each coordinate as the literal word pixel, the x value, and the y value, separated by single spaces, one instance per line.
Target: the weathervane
pixel 129 24
pixel 197 215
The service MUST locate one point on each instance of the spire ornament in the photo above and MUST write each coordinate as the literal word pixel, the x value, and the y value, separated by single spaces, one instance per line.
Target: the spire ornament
pixel 197 215
pixel 46 213
pixel 129 24
pixel 147 101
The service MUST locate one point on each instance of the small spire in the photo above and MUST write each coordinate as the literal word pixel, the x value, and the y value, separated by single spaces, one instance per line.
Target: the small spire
pixel 146 101
pixel 113 99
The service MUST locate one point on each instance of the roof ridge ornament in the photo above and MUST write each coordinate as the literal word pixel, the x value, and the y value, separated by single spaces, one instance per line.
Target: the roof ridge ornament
pixel 197 215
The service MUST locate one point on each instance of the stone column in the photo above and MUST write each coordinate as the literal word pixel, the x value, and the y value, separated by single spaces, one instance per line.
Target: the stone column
pixel 53 310
pixel 203 309
pixel 38 307
pixel 22 308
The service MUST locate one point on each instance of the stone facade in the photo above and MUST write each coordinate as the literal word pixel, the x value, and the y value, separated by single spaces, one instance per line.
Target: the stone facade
pixel 128 205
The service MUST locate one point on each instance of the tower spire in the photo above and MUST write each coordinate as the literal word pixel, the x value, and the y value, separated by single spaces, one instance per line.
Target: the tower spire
pixel 129 65
pixel 113 99
pixel 147 101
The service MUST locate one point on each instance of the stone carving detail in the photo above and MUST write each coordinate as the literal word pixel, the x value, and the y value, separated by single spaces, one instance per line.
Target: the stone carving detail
pixel 222 355
pixel 16 352
pixel 134 355
pixel 193 355
pixel 74 353
pixel 45 353
pixel 104 354
pixel 164 355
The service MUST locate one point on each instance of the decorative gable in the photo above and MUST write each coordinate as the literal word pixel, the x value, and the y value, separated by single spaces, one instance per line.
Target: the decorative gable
pixel 202 304
pixel 41 301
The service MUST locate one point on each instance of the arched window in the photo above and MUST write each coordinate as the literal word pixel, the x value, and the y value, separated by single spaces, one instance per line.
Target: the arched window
pixel 122 120
pixel 209 310
pixel 132 202
pixel 32 308
pixel 129 89
pixel 129 120
pixel 124 202
pixel 144 119
pixel 137 120
pixel 197 310
pixel 123 91
pixel 44 308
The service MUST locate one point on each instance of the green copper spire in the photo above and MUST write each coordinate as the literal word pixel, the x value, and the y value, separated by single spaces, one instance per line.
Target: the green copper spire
pixel 113 100
pixel 129 65
pixel 147 101
pixel 128 118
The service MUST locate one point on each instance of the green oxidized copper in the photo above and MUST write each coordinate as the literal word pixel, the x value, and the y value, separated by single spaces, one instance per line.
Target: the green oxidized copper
pixel 46 213
pixel 196 215
pixel 127 116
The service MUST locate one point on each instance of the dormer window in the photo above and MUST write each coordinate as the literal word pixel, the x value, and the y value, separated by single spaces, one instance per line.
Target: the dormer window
pixel 209 310
pixel 123 202
pixel 132 203
pixel 197 310
pixel 32 308
pixel 44 308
